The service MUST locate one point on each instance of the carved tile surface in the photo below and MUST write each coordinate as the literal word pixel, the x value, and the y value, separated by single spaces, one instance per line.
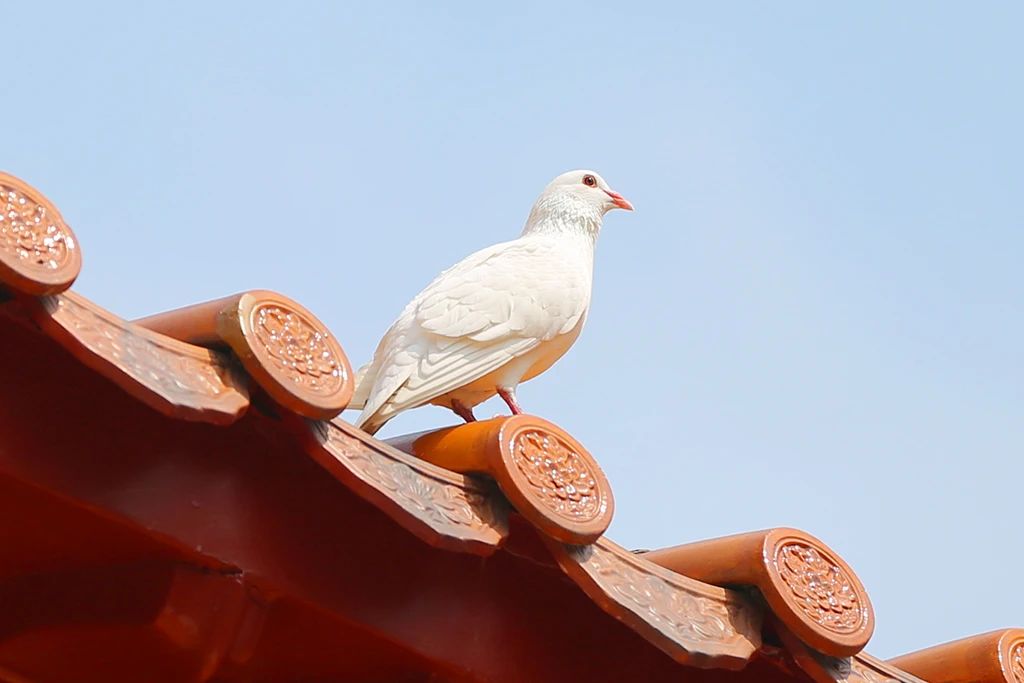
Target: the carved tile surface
pixel 31 233
pixel 448 503
pixel 702 621
pixel 297 348
pixel 854 671
pixel 862 668
pixel 559 477
pixel 820 587
pixel 1017 661
pixel 179 373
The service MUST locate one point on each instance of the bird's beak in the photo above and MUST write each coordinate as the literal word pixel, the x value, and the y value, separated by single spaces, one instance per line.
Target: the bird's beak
pixel 619 201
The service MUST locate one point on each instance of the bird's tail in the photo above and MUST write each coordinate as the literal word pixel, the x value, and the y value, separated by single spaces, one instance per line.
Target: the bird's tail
pixel 364 382
pixel 365 379
pixel 372 423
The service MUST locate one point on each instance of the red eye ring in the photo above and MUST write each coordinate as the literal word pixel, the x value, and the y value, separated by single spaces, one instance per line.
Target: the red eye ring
pixel 590 181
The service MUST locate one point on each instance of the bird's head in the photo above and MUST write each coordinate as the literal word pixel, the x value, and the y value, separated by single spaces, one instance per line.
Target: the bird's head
pixel 589 188
pixel 575 196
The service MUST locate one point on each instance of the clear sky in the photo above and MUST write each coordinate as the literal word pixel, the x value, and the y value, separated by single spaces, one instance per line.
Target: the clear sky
pixel 814 317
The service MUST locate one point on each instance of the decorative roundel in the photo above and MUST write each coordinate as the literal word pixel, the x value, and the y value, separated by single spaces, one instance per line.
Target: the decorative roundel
pixel 39 254
pixel 297 360
pixel 552 480
pixel 1016 660
pixel 562 480
pixel 298 349
pixel 822 590
pixel 832 607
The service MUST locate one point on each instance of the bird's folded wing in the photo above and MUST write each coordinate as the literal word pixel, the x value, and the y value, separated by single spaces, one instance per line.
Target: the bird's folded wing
pixel 466 361
pixel 491 308
pixel 515 289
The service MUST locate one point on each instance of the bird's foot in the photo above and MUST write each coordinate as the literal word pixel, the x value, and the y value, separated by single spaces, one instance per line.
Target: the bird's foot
pixel 463 411
pixel 509 397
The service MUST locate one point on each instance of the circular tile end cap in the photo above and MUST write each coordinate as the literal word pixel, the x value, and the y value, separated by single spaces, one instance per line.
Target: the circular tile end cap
pixel 552 480
pixel 1011 654
pixel 39 254
pixel 816 593
pixel 290 353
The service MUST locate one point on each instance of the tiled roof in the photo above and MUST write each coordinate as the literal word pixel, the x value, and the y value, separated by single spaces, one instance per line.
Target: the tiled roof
pixel 297 520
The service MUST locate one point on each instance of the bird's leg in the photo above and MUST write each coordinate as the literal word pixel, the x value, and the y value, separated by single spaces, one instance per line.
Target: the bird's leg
pixel 463 411
pixel 509 397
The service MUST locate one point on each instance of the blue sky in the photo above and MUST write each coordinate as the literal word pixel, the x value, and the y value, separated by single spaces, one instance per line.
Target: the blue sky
pixel 813 319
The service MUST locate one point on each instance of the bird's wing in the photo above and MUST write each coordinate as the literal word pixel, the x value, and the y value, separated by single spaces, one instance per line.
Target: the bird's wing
pixel 475 317
pixel 524 288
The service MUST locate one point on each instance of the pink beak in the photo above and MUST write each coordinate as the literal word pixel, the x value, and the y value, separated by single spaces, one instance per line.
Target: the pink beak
pixel 619 200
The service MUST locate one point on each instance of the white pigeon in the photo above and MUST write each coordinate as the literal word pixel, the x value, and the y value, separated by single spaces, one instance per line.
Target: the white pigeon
pixel 497 318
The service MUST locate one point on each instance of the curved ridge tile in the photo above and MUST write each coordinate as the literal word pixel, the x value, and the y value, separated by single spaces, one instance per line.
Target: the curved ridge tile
pixel 281 344
pixel 805 583
pixel 694 623
pixel 444 509
pixel 175 378
pixel 860 668
pixel 546 474
pixel 993 657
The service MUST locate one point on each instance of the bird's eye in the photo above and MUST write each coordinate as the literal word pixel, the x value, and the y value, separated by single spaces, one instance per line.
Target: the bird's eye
pixel 590 181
